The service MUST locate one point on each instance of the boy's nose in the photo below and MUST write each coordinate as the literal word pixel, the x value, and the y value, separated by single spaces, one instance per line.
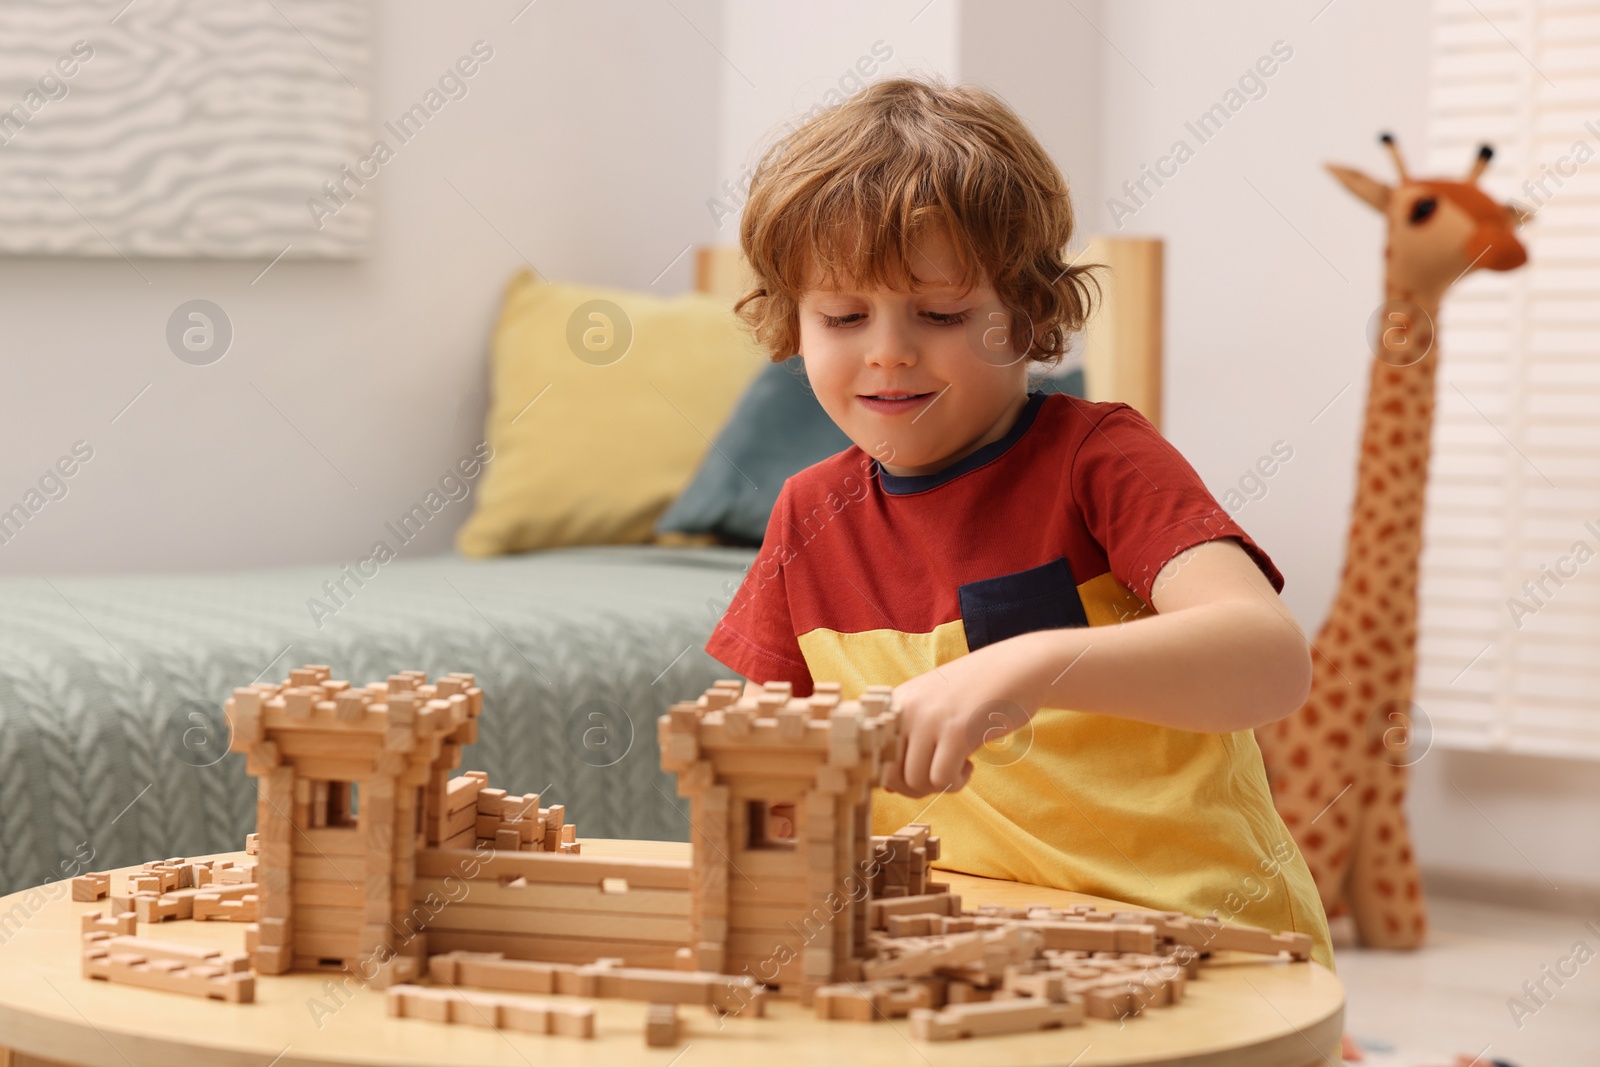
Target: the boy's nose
pixel 890 345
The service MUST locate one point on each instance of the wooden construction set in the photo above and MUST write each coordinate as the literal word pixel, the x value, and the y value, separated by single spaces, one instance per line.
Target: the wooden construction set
pixel 373 858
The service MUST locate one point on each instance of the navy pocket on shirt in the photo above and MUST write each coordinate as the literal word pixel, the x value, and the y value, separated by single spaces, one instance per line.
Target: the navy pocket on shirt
pixel 1039 598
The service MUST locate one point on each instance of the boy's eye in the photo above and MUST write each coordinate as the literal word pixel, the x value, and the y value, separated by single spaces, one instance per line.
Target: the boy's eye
pixel 954 318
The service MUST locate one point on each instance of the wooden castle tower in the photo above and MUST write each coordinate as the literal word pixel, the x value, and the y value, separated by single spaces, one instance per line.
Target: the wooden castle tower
pixel 350 784
pixel 790 911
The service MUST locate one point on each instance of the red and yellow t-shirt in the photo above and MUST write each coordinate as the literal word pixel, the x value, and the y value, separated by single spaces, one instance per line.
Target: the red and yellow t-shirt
pixel 870 578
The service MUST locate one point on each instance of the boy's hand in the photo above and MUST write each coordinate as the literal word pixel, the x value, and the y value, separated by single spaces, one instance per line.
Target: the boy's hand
pixel 780 820
pixel 951 712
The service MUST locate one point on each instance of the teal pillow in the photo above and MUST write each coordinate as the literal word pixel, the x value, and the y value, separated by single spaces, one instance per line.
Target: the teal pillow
pixel 1069 382
pixel 777 429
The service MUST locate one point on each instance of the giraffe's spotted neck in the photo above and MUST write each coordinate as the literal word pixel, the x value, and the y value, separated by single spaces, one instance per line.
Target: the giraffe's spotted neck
pixel 1377 586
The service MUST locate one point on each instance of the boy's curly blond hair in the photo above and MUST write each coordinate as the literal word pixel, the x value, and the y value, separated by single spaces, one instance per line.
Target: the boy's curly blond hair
pixel 894 159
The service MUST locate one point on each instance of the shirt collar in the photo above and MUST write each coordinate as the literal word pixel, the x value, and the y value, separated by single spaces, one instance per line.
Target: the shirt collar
pixel 906 484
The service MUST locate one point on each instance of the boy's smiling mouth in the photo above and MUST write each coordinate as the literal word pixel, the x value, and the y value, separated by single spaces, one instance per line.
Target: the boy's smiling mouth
pixel 894 402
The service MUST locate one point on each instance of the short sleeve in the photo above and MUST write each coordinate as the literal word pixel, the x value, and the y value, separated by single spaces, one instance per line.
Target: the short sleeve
pixel 1145 504
pixel 755 635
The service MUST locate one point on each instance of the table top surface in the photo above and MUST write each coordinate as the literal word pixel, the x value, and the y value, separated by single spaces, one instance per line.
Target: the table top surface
pixel 1242 1012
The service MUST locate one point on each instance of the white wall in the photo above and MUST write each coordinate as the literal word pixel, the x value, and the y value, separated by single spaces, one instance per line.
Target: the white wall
pixel 1052 76
pixel 588 143
pixel 785 62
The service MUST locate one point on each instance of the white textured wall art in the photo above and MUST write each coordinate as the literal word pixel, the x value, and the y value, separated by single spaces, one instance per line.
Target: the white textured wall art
pixel 180 127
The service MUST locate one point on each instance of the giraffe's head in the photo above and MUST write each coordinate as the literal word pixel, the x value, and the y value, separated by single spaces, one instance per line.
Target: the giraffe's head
pixel 1439 230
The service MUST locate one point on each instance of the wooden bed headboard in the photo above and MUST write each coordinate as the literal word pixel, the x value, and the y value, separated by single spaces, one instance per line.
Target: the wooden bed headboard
pixel 1121 344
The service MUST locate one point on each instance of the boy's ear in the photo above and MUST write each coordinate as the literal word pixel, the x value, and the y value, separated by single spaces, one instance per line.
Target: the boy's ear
pixel 1371 190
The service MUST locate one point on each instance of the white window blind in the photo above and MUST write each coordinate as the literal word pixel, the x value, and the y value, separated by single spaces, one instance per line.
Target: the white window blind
pixel 1514 495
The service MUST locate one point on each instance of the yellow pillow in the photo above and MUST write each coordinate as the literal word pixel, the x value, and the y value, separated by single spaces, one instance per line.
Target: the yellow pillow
pixel 603 403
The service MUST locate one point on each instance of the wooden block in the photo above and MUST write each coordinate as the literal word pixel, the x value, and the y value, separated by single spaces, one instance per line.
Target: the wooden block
pixel 1094 936
pixel 297 702
pixel 845 1002
pixel 350 706
pixel 792 723
pixel 234 875
pixel 273 933
pixel 992 950
pixel 170 967
pixel 489 801
pixel 178 904
pixel 612 980
pixel 912 925
pixel 464 839
pixel 832 779
pixel 509 840
pixel 461 819
pixel 273 959
pixel 494 1010
pixel 124 924
pixel 533 919
pixel 870 1001
pixel 243 711
pixel 661 1025
pixel 1113 1001
pixel 462 792
pixel 155 881
pixel 943 904
pixel 91 887
pixel 1014 1016
pixel 1209 934
pixel 238 903
pixel 736 720
pixel 569 870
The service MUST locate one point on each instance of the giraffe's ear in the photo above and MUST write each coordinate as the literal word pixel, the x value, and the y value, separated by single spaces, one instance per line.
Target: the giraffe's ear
pixel 1371 190
pixel 1516 214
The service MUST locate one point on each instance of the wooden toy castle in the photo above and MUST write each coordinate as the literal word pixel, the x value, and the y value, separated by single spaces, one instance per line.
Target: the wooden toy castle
pixel 372 857
pixel 365 835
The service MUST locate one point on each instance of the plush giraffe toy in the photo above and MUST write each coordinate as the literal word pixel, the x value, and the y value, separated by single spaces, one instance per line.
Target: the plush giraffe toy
pixel 1338 765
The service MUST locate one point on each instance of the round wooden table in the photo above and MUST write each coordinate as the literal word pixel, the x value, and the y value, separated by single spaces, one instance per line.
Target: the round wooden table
pixel 1242 1012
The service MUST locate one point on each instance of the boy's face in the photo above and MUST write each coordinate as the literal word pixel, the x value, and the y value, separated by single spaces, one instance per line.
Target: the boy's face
pixel 916 379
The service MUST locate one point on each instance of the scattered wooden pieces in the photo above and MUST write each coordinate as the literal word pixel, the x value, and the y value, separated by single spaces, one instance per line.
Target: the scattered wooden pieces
pixel 605 979
pixel 886 998
pixel 986 1018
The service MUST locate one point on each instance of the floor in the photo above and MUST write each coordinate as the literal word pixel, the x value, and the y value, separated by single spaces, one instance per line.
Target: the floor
pixel 1460 994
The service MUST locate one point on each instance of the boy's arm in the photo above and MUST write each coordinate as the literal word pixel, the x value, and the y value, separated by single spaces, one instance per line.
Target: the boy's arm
pixel 1222 654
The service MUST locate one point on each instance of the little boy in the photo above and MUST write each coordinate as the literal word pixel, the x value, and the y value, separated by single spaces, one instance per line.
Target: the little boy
pixel 1080 639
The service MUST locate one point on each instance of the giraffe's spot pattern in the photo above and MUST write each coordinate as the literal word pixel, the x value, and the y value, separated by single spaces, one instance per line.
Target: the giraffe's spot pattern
pixel 1364 659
